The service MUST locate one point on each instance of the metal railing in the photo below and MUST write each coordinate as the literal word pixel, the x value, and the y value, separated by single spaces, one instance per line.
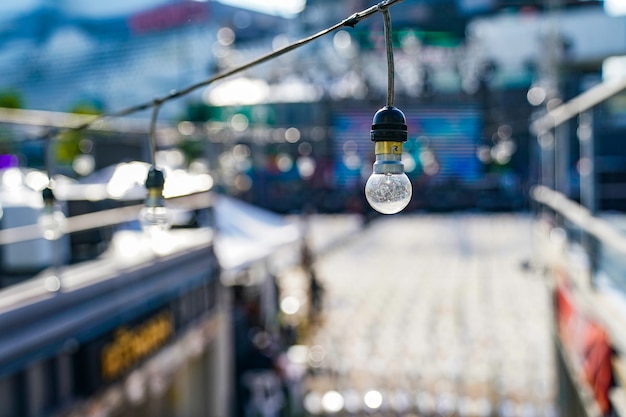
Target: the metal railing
pixel 602 242
pixel 552 132
pixel 582 214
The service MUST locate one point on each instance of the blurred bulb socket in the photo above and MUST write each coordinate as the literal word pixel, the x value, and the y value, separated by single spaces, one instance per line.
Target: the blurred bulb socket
pixel 154 183
pixel 155 179
pixel 48 196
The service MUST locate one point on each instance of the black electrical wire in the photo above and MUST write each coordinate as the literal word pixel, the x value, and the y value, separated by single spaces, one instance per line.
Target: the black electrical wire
pixel 390 65
pixel 349 22
pixel 152 132
pixel 30 232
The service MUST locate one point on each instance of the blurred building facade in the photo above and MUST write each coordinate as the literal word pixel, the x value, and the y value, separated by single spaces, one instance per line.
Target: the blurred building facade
pixel 291 136
pixel 452 55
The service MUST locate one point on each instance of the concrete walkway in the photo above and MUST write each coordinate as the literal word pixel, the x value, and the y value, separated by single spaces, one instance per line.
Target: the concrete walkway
pixel 433 315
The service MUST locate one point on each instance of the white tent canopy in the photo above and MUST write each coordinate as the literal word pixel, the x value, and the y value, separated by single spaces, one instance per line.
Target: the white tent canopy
pixel 247 234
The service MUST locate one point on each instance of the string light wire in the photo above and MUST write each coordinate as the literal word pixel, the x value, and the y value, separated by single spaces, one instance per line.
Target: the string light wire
pixel 388 190
pixel 348 22
pixel 389 48
pixel 26 233
pixel 152 133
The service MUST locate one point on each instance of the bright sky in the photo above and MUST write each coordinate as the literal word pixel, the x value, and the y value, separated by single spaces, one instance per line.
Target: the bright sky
pixel 90 8
pixel 108 8
pixel 98 8
pixel 9 9
pixel 615 7
pixel 285 8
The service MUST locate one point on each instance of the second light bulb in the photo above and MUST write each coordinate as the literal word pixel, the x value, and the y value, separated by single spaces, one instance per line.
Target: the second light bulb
pixel 154 215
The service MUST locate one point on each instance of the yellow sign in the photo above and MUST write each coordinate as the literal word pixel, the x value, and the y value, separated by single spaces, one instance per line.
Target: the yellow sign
pixel 130 346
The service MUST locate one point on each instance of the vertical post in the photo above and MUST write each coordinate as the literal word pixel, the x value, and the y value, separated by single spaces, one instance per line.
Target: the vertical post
pixel 53 283
pixel 561 163
pixel 562 159
pixel 588 196
pixel 586 163
pixel 546 147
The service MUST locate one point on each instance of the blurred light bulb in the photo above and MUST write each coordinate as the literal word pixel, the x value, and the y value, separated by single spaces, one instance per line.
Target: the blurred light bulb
pixel 52 221
pixel 154 215
pixel 373 399
pixel 388 190
pixel 332 402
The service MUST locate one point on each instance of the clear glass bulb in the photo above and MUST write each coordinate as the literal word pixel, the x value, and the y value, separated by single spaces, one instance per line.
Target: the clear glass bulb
pixel 52 222
pixel 388 193
pixel 154 218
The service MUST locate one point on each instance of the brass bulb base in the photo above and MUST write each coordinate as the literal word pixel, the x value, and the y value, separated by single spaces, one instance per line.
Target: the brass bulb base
pixel 388 147
pixel 155 193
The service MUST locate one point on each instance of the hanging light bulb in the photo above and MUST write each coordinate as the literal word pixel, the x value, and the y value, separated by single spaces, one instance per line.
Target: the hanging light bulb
pixel 153 216
pixel 52 221
pixel 388 190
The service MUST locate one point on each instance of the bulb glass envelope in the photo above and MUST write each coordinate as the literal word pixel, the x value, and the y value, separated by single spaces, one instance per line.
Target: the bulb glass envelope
pixel 154 215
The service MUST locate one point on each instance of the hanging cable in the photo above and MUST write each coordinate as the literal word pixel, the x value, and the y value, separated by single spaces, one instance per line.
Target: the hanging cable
pixel 156 212
pixel 388 190
pixel 154 216
pixel 52 221
pixel 349 22
pixel 152 132
pixel 389 49
pixel 48 163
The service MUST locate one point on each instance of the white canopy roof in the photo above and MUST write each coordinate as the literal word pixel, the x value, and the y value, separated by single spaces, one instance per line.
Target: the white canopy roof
pixel 246 234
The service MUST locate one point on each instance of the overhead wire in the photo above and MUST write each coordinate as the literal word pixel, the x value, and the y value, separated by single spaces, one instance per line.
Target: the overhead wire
pixel 94 220
pixel 350 21
pixel 389 49
pixel 152 132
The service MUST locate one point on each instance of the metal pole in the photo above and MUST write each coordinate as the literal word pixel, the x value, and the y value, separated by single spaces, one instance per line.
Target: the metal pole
pixel 588 196
pixel 586 163
pixel 562 159
pixel 546 147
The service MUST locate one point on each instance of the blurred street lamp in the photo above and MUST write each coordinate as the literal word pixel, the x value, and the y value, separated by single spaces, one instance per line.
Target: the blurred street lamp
pixel 388 190
pixel 154 216
pixel 52 221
